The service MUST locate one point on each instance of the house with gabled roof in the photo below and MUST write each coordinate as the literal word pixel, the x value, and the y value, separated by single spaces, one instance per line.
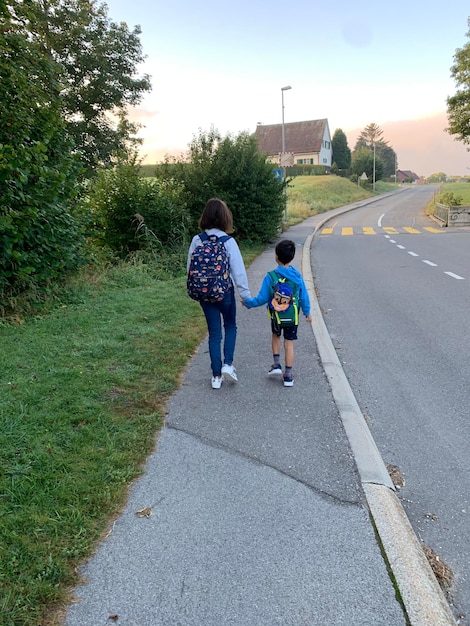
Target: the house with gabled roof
pixel 309 142
pixel 406 176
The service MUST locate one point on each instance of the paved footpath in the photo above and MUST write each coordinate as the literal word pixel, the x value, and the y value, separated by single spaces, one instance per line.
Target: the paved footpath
pixel 260 512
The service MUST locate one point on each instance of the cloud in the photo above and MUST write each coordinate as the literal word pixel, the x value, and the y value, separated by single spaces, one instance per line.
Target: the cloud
pixel 423 146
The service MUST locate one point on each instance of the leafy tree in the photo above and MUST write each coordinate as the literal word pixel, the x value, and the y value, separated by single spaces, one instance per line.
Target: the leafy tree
pixel 437 177
pixel 389 159
pixel 341 150
pixel 458 105
pixel 232 168
pixel 372 136
pixel 363 161
pixel 96 64
pixel 39 238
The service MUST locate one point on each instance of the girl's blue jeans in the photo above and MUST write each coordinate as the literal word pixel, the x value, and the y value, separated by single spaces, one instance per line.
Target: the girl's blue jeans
pixel 215 312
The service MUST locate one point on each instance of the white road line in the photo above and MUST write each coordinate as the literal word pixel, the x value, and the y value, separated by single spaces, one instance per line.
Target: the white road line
pixel 451 274
pixel 379 223
pixel 456 276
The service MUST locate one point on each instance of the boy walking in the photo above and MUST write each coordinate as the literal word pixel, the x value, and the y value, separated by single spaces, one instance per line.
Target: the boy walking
pixel 284 291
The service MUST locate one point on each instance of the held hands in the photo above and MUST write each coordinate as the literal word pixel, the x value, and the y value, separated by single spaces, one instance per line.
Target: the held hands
pixel 308 318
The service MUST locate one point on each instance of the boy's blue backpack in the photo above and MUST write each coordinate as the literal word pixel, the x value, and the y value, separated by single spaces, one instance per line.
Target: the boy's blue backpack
pixel 283 307
pixel 209 269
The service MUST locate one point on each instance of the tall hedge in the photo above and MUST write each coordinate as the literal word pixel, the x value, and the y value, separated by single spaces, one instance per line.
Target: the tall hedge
pixel 39 238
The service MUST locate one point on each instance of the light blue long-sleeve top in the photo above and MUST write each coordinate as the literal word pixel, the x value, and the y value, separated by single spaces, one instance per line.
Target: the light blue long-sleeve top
pixel 265 292
pixel 237 266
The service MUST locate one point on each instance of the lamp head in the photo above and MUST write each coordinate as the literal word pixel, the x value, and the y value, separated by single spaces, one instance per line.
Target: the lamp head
pixel 286 88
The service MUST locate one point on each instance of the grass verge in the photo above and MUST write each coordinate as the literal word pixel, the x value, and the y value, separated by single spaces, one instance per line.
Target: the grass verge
pixel 82 396
pixel 460 190
pixel 311 195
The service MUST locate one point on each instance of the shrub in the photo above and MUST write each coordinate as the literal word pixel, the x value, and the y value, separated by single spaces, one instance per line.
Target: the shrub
pixel 131 213
pixel 450 199
pixel 233 169
pixel 40 239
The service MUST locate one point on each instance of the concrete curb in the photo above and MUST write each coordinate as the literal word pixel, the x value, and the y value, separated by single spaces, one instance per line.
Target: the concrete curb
pixel 423 598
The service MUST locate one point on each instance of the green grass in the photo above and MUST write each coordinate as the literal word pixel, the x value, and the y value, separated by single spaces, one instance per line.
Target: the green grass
pixel 310 195
pixel 83 389
pixel 82 396
pixel 458 189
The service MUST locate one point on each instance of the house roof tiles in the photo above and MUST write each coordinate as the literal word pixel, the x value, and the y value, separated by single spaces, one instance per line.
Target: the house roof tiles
pixel 300 137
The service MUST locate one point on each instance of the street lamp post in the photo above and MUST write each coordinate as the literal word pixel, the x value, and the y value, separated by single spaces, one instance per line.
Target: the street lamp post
pixel 283 149
pixel 373 175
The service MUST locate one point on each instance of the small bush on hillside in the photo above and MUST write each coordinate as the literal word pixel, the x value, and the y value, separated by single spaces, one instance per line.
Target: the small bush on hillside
pixel 450 199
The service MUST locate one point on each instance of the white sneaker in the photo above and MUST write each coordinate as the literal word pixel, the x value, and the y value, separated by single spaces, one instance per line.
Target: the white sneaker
pixel 229 371
pixel 217 382
pixel 276 370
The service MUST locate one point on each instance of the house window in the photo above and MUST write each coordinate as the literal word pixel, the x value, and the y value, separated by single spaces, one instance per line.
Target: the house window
pixel 312 161
pixel 299 161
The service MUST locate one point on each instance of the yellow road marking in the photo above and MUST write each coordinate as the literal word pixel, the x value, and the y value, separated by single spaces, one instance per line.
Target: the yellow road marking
pixel 369 230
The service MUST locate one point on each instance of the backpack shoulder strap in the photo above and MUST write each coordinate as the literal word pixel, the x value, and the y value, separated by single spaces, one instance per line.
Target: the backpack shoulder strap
pixel 205 237
pixel 274 276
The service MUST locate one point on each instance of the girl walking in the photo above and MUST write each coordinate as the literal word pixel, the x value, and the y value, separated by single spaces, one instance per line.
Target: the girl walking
pixel 217 221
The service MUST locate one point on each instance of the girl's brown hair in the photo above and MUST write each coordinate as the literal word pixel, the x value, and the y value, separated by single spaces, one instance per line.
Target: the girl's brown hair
pixel 216 214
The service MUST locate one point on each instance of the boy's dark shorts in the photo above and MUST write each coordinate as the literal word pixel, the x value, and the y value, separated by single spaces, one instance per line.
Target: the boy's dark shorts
pixel 290 333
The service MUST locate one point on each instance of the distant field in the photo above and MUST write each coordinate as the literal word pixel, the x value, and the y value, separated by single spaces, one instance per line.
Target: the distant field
pixel 458 189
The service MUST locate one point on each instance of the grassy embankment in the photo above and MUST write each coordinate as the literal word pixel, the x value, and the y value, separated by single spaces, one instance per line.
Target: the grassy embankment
pixel 310 195
pixel 83 389
pixel 460 190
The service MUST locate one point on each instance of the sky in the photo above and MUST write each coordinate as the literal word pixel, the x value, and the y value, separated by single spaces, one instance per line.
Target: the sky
pixel 219 64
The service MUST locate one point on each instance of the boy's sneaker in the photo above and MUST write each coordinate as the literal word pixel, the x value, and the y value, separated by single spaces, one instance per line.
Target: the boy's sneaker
pixel 217 382
pixel 288 380
pixel 229 370
pixel 276 370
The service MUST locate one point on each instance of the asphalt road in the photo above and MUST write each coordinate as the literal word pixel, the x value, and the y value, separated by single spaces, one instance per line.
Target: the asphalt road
pixel 396 307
